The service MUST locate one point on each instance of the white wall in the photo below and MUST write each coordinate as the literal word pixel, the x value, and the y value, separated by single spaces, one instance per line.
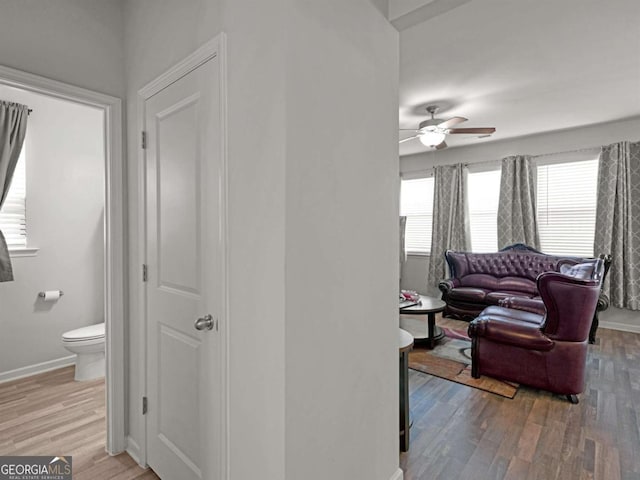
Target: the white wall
pixel 65 205
pixel 342 243
pixel 267 107
pixel 159 34
pixel 414 270
pixel 382 6
pixel 75 41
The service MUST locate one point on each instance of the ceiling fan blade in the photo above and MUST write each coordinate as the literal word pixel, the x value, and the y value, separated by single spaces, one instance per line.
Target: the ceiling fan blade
pixel 441 145
pixel 478 130
pixel 407 139
pixel 451 122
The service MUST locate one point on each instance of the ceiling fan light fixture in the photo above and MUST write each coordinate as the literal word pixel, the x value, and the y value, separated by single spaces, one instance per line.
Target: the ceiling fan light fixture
pixel 431 139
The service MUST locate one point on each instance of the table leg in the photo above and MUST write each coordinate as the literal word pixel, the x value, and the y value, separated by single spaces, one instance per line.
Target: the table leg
pixel 404 402
pixel 432 330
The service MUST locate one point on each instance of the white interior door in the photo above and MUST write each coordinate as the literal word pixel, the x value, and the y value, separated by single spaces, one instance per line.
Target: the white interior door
pixel 185 256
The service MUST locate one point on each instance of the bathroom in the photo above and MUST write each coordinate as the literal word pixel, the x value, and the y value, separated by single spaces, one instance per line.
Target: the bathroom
pixel 64 154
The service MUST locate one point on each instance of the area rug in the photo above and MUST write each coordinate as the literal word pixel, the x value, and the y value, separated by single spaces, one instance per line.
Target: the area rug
pixel 451 360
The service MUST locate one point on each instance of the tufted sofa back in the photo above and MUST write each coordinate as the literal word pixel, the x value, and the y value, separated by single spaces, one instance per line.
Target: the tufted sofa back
pixel 512 270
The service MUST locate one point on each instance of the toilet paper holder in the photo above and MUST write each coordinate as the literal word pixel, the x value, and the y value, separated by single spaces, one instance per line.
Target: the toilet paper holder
pixel 42 294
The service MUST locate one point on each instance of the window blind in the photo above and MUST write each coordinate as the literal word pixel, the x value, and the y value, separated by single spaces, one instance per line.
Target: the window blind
pixel 13 213
pixel 416 203
pixel 566 207
pixel 483 196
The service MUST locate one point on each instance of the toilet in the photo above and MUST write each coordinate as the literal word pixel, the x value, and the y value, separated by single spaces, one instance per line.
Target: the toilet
pixel 88 344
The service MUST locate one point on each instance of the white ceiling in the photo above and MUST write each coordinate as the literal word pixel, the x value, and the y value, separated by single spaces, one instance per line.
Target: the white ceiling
pixel 524 67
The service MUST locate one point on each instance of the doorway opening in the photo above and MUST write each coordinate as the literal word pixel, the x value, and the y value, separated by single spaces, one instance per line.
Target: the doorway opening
pixel 105 231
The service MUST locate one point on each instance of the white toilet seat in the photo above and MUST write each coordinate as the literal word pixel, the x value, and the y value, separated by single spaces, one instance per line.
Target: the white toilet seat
pixel 83 342
pixel 91 332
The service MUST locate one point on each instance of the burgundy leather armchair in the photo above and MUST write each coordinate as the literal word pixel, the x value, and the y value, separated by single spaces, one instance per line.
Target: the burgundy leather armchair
pixel 544 349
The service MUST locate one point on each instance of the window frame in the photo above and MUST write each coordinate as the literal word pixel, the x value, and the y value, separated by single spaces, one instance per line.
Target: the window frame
pixel 416 176
pixel 25 250
pixel 16 200
pixel 561 159
pixel 473 169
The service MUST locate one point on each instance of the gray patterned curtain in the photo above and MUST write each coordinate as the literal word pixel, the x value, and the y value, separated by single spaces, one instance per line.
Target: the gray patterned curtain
pixel 450 218
pixel 517 205
pixel 13 126
pixel 618 221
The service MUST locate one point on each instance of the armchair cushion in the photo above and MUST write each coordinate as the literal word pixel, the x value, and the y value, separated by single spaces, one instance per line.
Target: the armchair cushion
pixel 494 298
pixel 510 332
pixel 519 315
pixel 533 305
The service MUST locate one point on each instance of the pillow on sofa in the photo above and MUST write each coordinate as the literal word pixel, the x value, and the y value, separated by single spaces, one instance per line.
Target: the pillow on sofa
pixel 582 271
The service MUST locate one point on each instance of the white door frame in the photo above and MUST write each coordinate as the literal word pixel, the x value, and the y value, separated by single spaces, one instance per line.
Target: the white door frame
pixel 114 236
pixel 212 49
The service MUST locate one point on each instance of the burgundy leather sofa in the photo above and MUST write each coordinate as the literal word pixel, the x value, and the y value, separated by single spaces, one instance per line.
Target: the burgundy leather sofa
pixel 479 280
pixel 544 350
pixel 482 279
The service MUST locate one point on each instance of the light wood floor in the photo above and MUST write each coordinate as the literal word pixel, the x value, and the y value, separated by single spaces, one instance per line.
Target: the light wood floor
pixel 463 433
pixel 50 414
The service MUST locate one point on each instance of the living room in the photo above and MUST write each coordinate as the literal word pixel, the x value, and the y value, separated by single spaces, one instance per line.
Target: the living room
pixel 559 83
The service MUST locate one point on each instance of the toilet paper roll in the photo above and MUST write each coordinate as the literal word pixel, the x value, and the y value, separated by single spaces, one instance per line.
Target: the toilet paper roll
pixel 51 295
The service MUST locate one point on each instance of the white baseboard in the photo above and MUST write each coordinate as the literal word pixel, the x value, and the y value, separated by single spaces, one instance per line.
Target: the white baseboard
pixel 37 368
pixel 133 449
pixel 399 475
pixel 622 327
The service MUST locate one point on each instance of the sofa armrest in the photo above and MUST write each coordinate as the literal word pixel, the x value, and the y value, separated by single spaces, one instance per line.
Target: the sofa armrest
pixel 525 304
pixel 446 285
pixel 519 334
pixel 603 302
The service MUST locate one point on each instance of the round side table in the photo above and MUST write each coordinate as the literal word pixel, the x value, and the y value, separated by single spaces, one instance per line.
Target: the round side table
pixel 428 306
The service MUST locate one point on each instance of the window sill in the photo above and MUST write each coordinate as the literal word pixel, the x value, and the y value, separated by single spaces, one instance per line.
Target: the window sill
pixel 418 254
pixel 23 252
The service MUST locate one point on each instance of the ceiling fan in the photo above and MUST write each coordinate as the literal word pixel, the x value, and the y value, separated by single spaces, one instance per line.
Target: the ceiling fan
pixel 432 132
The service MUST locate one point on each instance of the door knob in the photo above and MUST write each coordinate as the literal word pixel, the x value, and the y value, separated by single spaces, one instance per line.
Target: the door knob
pixel 204 323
